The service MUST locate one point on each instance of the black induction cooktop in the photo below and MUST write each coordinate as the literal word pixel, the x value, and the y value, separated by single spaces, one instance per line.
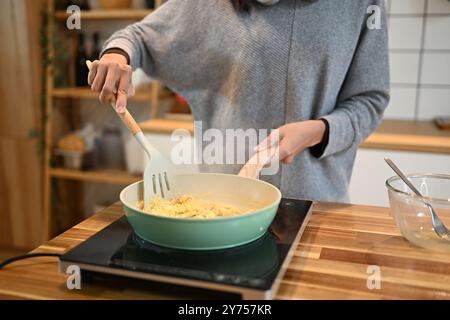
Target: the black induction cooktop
pixel 252 271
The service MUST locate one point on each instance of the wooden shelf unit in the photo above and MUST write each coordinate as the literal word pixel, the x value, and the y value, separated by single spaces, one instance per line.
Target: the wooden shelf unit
pixel 87 94
pixel 103 176
pixel 154 95
pixel 166 126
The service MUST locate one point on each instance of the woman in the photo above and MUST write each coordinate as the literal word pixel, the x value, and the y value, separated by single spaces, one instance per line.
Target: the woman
pixel 313 69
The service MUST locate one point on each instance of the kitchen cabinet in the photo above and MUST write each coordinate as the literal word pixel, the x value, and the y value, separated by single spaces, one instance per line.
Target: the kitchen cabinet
pixel 159 133
pixel 370 172
pixel 165 145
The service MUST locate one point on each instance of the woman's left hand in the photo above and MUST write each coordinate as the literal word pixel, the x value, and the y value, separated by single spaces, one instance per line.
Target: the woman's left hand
pixel 293 138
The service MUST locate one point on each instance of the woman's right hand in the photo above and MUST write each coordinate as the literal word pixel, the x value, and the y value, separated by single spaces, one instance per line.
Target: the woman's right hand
pixel 111 76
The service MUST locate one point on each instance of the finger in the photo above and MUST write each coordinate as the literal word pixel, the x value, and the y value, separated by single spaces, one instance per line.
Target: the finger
pixel 272 139
pixel 262 157
pixel 121 102
pixel 270 155
pixel 131 92
pixel 273 157
pixel 100 77
pixel 109 89
pixel 284 150
pixel 93 72
pixel 288 159
pixel 123 89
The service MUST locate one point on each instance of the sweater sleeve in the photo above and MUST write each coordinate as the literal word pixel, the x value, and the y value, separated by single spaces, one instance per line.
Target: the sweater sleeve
pixel 365 93
pixel 165 41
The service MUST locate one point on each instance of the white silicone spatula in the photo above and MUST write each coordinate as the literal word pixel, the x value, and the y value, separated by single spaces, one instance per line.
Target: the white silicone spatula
pixel 158 173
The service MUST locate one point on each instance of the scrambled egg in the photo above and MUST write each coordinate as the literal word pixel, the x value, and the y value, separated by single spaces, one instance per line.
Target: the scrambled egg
pixel 188 207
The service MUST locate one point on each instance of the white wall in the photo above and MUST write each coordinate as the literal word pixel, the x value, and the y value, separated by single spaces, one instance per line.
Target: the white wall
pixel 370 172
pixel 419 43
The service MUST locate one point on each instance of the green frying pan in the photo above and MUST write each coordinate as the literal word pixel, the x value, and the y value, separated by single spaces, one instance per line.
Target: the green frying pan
pixel 258 198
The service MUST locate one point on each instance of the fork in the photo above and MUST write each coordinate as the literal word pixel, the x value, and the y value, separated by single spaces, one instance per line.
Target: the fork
pixel 438 226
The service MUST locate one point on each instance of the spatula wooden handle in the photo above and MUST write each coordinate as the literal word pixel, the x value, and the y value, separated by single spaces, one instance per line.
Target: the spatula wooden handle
pixel 128 120
pixel 126 117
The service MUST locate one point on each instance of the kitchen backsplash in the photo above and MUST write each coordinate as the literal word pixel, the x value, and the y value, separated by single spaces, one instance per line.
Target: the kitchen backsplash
pixel 419 40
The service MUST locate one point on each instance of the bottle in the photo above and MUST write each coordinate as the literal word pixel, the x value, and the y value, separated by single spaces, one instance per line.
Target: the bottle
pixel 83 4
pixel 150 4
pixel 95 46
pixel 62 4
pixel 112 149
pixel 81 70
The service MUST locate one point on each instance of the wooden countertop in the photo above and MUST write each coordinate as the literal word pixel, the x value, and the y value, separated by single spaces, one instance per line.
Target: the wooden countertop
pixel 416 136
pixel 419 136
pixel 331 262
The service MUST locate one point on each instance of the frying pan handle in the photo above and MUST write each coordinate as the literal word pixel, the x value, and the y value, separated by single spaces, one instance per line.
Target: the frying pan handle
pixel 126 117
pixel 260 159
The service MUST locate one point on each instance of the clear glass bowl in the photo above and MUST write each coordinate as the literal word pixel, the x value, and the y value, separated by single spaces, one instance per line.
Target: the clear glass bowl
pixel 411 214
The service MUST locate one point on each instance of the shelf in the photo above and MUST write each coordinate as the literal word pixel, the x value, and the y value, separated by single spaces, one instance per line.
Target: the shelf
pixel 166 126
pixel 415 136
pixel 104 176
pixel 99 14
pixel 87 94
pixel 151 94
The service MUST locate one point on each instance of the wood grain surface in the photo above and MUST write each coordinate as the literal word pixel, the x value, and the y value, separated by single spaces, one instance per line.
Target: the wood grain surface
pixel 331 262
pixel 405 135
pixel 399 135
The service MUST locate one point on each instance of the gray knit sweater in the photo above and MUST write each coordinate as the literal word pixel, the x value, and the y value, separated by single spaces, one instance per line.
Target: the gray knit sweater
pixel 293 61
